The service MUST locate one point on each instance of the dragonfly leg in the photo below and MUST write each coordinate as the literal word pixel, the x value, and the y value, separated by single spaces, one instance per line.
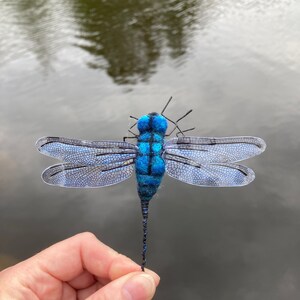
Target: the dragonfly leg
pixel 175 122
pixel 135 118
pixel 128 137
pixel 176 126
pixel 186 130
pixel 134 136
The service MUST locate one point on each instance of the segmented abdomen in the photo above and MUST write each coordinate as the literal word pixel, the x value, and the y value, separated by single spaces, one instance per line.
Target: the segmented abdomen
pixel 150 166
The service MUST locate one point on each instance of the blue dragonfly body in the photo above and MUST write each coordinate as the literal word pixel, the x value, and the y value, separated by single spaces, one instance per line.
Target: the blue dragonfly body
pixel 201 161
pixel 149 163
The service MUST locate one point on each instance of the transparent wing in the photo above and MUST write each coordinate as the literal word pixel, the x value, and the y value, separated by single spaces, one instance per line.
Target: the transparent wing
pixel 79 176
pixel 89 153
pixel 209 175
pixel 215 150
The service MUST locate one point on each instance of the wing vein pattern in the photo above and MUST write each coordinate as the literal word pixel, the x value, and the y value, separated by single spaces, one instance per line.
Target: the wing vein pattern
pixel 215 150
pixel 210 161
pixel 87 163
pixel 89 153
pixel 209 175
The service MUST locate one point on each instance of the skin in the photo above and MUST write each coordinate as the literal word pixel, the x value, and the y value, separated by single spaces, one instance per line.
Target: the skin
pixel 80 267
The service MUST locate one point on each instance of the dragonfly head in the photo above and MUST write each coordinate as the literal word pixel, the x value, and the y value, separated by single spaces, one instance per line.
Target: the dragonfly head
pixel 152 122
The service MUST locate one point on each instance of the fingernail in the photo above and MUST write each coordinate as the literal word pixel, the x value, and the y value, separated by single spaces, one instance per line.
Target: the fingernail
pixel 138 287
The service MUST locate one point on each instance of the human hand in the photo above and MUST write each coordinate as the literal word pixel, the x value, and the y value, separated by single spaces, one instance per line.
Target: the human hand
pixel 80 267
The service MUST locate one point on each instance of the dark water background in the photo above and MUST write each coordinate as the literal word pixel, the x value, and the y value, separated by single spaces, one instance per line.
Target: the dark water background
pixel 80 68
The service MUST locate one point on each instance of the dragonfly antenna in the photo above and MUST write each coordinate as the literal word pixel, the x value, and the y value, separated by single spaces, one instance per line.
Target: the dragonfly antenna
pixel 166 105
pixel 184 115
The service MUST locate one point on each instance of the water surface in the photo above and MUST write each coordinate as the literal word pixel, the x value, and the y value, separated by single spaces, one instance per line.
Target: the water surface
pixel 80 68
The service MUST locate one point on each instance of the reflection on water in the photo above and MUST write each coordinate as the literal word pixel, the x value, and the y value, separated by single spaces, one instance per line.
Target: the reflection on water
pixel 80 68
pixel 127 38
pixel 33 28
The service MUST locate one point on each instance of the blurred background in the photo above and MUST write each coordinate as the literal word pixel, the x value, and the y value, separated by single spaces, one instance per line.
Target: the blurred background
pixel 79 68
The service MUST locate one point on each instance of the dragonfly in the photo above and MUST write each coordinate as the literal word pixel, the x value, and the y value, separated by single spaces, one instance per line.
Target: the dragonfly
pixel 200 161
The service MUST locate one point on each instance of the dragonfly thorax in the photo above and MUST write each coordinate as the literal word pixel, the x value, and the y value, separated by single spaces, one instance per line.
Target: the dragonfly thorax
pixel 152 122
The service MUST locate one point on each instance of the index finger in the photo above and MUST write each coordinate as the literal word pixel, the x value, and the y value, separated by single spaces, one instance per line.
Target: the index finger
pixel 67 259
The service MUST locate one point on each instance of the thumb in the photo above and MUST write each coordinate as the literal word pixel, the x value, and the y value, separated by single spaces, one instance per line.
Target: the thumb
pixel 133 286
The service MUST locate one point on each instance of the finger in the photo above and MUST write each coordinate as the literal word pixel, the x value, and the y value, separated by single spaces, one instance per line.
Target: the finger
pixel 69 258
pixel 84 280
pixel 67 292
pixel 85 293
pixel 104 281
pixel 134 286
pixel 66 260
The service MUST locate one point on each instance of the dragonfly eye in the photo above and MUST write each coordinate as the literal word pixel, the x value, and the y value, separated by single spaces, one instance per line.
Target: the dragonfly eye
pixel 143 124
pixel 159 124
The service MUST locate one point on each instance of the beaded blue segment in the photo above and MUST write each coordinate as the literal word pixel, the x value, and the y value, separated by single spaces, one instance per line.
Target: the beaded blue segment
pixel 154 136
pixel 157 148
pixel 158 166
pixel 149 179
